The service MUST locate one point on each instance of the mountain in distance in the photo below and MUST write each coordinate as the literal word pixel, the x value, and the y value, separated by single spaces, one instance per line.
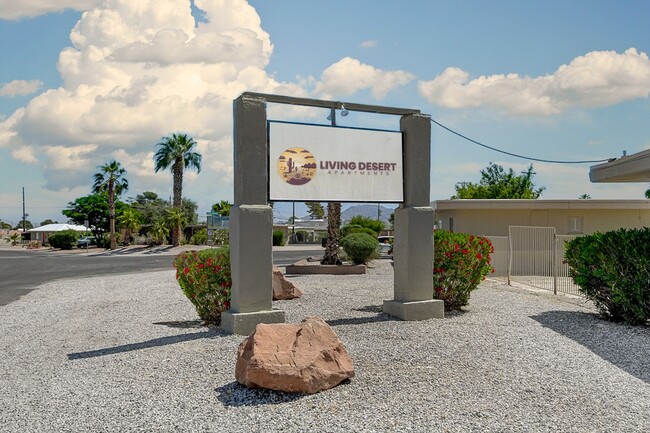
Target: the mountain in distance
pixel 368 211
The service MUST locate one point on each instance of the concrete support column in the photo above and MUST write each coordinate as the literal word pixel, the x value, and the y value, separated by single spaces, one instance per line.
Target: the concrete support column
pixel 413 247
pixel 251 224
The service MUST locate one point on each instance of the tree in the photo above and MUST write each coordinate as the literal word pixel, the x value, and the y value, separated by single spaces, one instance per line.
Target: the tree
pixel 496 183
pixel 159 232
pixel 177 152
pixel 48 221
pixel 222 208
pixel 189 208
pixel 316 210
pixel 584 197
pixel 14 239
pixel 94 209
pixel 150 206
pixel 647 193
pixel 175 218
pixel 111 180
pixel 331 256
pixel 27 224
pixel 5 226
pixel 129 220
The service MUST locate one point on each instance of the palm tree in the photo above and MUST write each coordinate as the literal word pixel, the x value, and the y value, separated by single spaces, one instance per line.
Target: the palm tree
pixel 129 220
pixel 331 256
pixel 111 180
pixel 222 208
pixel 175 218
pixel 159 232
pixel 177 152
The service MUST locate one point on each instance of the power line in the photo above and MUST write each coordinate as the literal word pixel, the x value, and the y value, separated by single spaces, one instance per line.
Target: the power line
pixel 520 156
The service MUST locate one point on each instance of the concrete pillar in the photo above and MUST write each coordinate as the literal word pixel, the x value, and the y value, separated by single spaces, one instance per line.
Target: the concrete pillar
pixel 251 224
pixel 413 247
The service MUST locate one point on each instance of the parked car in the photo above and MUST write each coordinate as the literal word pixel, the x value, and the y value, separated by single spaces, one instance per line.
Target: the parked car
pixel 385 245
pixel 86 241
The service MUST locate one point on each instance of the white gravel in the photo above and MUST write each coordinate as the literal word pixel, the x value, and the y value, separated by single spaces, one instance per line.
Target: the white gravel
pixel 126 353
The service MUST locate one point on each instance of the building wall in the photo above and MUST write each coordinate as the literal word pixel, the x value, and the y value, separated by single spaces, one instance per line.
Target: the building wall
pixel 495 222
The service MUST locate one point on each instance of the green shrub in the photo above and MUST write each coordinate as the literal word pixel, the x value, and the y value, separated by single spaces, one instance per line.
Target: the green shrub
pixel 369 223
pixel 301 236
pixel 356 228
pixel 359 247
pixel 199 237
pixel 613 270
pixel 66 239
pixel 278 238
pixel 205 279
pixel 461 261
pixel 221 236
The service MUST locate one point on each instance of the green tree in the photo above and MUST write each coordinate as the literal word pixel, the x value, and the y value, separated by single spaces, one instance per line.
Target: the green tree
pixel 48 221
pixel 176 152
pixel 14 239
pixel 150 206
pixel 111 180
pixel 496 183
pixel 316 210
pixel 584 197
pixel 222 208
pixel 175 218
pixel 28 225
pixel 159 232
pixel 5 226
pixel 331 256
pixel 129 220
pixel 189 208
pixel 94 209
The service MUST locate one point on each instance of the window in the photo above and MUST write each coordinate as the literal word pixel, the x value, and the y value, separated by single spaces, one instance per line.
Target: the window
pixel 451 224
pixel 575 225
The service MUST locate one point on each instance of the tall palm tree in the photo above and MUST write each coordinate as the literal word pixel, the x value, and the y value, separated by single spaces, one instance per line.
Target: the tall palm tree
pixel 177 152
pixel 111 180
pixel 331 256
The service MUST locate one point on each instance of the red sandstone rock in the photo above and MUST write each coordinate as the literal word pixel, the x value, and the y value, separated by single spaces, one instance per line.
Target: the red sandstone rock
pixel 307 357
pixel 283 289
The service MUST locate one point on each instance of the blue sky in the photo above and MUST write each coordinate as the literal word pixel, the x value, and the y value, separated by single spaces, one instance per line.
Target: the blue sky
pixel 553 80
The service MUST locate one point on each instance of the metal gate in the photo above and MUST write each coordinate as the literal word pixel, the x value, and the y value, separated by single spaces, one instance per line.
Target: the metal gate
pixel 533 256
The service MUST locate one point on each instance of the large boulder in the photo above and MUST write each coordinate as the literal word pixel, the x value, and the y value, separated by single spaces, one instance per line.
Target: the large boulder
pixel 307 357
pixel 283 289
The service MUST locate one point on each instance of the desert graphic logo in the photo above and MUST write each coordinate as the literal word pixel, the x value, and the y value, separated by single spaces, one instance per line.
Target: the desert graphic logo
pixel 296 166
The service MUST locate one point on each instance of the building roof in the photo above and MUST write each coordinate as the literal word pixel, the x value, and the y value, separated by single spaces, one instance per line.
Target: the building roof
pixel 58 228
pixel 539 204
pixel 629 168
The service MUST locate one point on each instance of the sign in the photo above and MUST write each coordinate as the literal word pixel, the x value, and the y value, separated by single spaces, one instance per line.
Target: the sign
pixel 325 163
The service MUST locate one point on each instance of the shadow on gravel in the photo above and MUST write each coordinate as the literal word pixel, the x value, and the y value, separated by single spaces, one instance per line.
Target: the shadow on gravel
pixel 627 347
pixel 183 324
pixel 156 342
pixel 235 394
pixel 378 309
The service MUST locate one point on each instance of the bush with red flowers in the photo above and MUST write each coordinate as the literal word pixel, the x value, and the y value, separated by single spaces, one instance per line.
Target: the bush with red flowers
pixel 461 261
pixel 204 277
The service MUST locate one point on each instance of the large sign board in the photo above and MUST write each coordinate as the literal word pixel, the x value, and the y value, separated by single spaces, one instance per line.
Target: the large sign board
pixel 325 163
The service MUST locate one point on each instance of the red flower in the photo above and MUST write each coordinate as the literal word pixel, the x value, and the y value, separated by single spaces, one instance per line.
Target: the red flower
pixel 465 251
pixel 186 271
pixel 479 256
pixel 200 265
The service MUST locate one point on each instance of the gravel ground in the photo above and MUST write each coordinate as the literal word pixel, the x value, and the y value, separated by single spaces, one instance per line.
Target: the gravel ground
pixel 126 353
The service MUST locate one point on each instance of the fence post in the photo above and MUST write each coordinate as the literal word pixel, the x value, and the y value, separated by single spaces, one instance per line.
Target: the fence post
pixel 555 266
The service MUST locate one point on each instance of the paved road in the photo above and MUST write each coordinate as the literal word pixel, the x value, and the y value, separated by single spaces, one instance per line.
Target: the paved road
pixel 23 271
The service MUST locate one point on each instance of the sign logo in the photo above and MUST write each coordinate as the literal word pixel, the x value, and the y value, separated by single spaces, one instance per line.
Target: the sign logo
pixel 296 166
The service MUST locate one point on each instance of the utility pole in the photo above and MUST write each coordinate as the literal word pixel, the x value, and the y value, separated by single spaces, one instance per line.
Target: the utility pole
pixel 24 214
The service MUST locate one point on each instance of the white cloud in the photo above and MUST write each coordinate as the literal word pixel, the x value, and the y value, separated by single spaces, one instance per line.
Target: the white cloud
pixel 24 154
pixel 600 78
pixel 371 43
pixel 138 71
pixel 20 87
pixel 16 9
pixel 348 75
